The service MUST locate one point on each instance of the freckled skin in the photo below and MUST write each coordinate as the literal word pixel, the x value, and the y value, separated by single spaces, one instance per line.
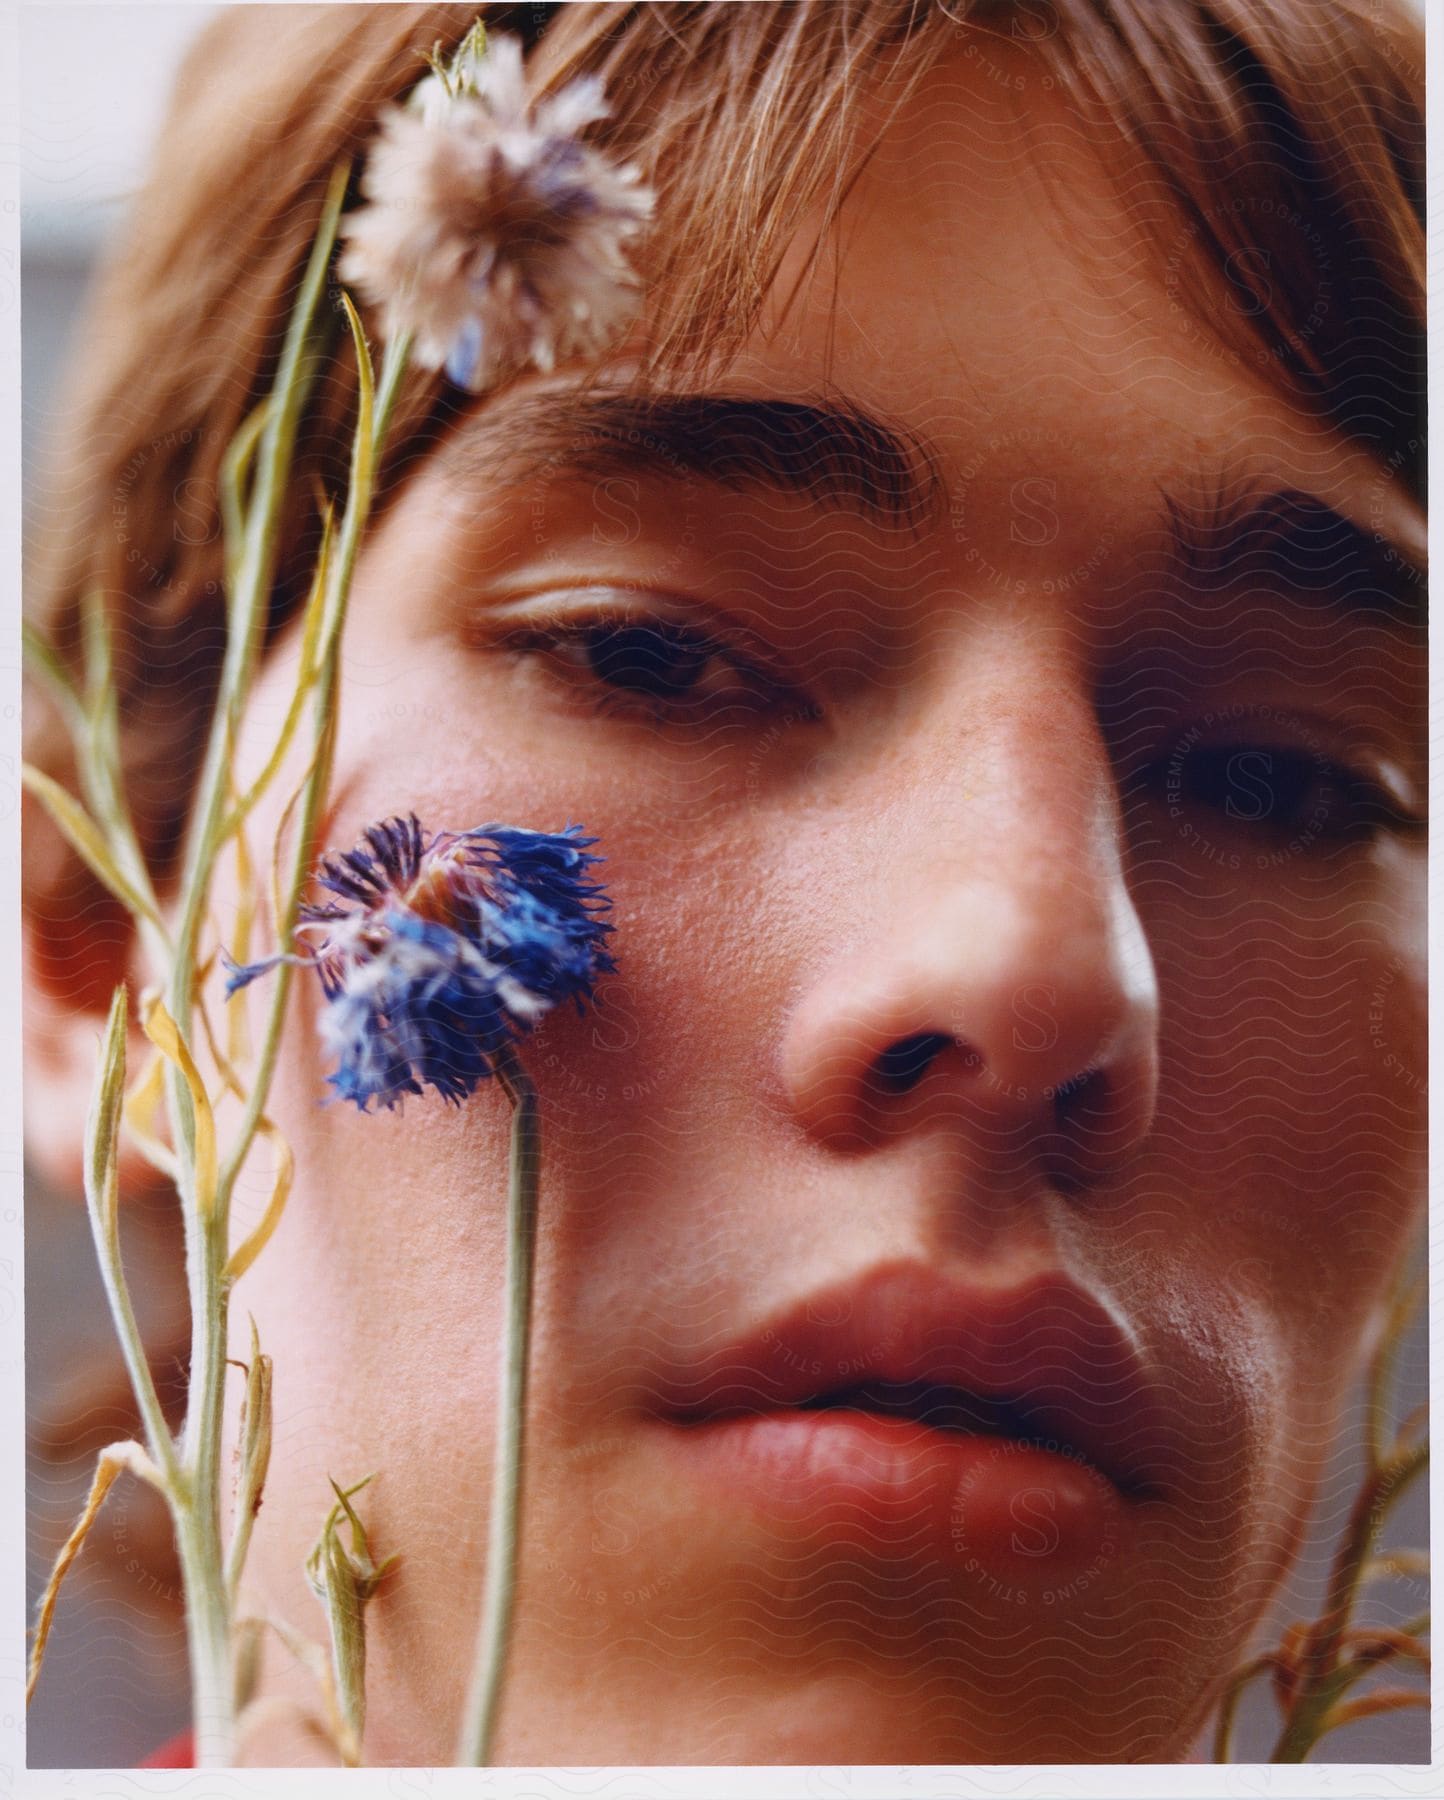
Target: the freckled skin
pixel 950 847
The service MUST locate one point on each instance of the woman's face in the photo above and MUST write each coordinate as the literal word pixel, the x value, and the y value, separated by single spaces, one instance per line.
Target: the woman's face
pixel 1018 1038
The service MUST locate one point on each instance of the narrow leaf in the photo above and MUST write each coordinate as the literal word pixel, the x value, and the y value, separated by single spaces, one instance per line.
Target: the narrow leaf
pixel 112 1461
pixel 1367 1705
pixel 160 1028
pixel 45 665
pixel 235 471
pixel 242 1257
pixel 102 1126
pixel 305 680
pixel 255 1457
pixel 362 477
pixel 1374 1644
pixel 365 377
pixel 85 839
pixel 95 638
pixel 142 1104
pixel 1396 1565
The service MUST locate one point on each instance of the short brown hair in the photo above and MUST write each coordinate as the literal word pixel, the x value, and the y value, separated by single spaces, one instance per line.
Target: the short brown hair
pixel 1291 127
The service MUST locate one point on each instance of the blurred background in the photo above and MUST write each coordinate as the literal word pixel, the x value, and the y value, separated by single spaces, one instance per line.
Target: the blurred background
pixel 94 81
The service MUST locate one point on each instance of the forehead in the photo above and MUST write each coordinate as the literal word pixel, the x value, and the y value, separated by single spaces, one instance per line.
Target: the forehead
pixel 1015 285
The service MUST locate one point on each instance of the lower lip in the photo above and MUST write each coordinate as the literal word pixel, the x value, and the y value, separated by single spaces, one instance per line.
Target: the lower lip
pixel 892 1487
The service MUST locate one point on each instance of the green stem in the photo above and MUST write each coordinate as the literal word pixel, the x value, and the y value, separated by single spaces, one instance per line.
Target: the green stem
pixel 1228 1706
pixel 109 810
pixel 241 1528
pixel 318 781
pixel 1322 1679
pixel 1404 1298
pixel 93 733
pixel 484 1693
pixel 250 601
pixel 208 1632
pixel 158 1439
pixel 317 785
pixel 197 1506
pixel 100 771
pixel 198 1517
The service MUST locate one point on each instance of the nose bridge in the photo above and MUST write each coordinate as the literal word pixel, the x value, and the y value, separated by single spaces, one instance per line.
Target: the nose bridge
pixel 1034 779
pixel 1007 716
pixel 1009 769
pixel 1030 924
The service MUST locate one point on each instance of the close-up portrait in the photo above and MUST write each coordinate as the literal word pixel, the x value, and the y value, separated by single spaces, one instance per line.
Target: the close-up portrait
pixel 722 786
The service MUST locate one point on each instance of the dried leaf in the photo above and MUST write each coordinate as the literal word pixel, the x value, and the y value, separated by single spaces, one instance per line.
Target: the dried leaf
pixel 160 1028
pixel 85 839
pixel 113 1461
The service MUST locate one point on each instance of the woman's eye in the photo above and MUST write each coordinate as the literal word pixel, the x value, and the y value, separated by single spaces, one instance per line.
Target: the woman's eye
pixel 1282 793
pixel 658 667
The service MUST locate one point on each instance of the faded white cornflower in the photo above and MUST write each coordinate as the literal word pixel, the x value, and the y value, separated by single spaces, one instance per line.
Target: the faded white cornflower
pixel 492 233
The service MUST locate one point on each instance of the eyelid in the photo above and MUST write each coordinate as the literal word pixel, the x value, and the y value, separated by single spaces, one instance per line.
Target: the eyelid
pixel 1287 732
pixel 562 607
pixel 1248 724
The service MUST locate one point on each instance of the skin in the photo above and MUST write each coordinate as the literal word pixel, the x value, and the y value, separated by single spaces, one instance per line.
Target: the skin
pixel 947 826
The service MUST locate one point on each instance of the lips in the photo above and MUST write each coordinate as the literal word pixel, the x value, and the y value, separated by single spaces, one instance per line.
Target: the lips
pixel 927 1364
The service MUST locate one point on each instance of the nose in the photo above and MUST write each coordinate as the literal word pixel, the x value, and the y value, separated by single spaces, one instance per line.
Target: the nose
pixel 1003 975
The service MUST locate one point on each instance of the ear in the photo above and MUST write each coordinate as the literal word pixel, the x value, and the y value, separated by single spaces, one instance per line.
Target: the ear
pixel 77 942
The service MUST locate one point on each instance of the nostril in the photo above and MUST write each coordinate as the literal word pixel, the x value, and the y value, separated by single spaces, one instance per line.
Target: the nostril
pixel 1083 1145
pixel 903 1064
pixel 1083 1098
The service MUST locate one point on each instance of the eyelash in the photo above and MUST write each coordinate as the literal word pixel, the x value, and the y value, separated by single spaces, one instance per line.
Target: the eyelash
pixel 589 634
pixel 1261 789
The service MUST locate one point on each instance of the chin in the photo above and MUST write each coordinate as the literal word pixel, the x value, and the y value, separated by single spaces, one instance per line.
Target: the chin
pixel 853 1716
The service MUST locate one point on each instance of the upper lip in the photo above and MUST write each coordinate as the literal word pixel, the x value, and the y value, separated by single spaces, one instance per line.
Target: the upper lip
pixel 1043 1360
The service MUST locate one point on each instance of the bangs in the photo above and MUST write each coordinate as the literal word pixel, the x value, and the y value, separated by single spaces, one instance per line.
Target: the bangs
pixel 1273 157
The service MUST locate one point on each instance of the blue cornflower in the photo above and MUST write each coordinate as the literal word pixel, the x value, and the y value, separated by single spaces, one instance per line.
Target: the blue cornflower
pixel 438 953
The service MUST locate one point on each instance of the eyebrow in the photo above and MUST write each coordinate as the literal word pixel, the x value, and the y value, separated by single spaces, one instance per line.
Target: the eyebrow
pixel 1292 545
pixel 834 453
pixel 838 454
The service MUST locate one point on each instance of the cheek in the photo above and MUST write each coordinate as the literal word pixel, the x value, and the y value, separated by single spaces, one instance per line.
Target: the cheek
pixel 395 1217
pixel 380 1277
pixel 1292 1105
